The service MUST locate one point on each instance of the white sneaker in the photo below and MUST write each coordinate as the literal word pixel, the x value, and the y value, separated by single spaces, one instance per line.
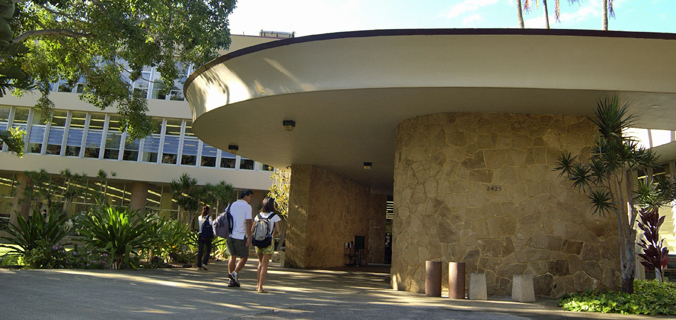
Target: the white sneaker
pixel 205 267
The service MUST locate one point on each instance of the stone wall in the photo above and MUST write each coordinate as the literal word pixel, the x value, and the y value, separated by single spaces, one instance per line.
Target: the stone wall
pixel 325 211
pixel 480 189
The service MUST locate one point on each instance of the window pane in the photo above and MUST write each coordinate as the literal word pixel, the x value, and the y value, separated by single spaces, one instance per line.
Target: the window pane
pixel 59 118
pixel 93 143
pixel 173 127
pixel 189 155
pixel 131 150
pixel 151 146
pixel 4 119
pixel 246 164
pixel 20 117
pixel 266 167
pixel 75 133
pixel 112 145
pixel 54 140
pixel 227 160
pixel 35 138
pixel 96 121
pixel 64 86
pixel 208 156
pixel 170 149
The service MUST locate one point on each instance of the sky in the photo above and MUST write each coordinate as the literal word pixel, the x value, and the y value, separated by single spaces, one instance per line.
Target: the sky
pixel 308 17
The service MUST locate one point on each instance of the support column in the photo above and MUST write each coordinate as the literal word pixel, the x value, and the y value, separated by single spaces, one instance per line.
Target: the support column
pixel 18 204
pixel 139 195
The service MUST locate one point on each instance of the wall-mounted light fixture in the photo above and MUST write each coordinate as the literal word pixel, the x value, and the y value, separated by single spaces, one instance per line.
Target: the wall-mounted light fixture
pixel 289 125
pixel 233 148
pixel 368 165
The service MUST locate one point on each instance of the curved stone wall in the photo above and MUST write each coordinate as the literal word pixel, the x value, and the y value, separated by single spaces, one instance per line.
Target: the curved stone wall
pixel 480 189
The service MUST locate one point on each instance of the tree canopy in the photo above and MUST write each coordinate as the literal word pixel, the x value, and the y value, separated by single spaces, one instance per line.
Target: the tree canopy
pixel 106 45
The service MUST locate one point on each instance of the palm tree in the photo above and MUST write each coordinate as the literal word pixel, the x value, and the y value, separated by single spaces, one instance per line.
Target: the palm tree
pixel 527 6
pixel 607 8
pixel 606 179
pixel 518 7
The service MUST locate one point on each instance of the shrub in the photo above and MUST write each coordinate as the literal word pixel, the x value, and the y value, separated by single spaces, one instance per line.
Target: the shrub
pixel 119 232
pixel 650 297
pixel 57 257
pixel 28 235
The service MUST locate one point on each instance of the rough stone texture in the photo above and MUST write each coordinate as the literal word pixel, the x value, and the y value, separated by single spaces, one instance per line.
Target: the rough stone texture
pixel 325 211
pixel 480 189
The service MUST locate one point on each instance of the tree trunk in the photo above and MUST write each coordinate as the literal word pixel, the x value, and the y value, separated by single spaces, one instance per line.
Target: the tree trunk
pixel 629 263
pixel 605 14
pixel 282 234
pixel 518 7
pixel 544 4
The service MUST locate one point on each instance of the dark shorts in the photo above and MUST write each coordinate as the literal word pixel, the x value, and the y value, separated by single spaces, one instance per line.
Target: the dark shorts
pixel 236 247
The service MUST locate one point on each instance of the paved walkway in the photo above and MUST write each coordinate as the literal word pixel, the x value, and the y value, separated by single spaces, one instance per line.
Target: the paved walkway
pixel 198 294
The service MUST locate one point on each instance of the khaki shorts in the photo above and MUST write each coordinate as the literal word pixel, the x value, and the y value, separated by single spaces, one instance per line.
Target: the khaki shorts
pixel 236 247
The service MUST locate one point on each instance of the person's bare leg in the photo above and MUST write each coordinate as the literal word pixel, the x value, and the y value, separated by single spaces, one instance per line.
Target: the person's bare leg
pixel 232 264
pixel 264 270
pixel 241 263
pixel 258 272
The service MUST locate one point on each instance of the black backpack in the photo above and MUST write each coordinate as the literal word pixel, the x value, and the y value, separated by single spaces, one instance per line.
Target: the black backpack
pixel 207 232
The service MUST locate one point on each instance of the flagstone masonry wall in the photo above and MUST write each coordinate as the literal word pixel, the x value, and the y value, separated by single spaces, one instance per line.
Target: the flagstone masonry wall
pixel 325 211
pixel 480 188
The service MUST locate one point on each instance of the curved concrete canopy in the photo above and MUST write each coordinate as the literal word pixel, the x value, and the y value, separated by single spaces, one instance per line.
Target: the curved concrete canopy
pixel 347 92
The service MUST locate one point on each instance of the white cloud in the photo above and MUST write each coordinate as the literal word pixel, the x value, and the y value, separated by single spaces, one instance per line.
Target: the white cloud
pixel 471 21
pixel 468 6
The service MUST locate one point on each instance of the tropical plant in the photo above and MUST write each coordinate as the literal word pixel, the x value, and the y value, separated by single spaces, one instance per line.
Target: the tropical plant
pixel 281 182
pixel 28 235
pixel 606 178
pixel 173 237
pixel 650 297
pixel 520 12
pixel 607 8
pixel 13 138
pixel 57 257
pixel 73 187
pixel 119 232
pixel 105 45
pixel 188 196
pixel 218 195
pixel 654 255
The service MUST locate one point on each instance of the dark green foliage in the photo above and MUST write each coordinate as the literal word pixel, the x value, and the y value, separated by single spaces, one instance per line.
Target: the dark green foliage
pixel 29 235
pixel 57 257
pixel 120 232
pixel 106 44
pixel 650 297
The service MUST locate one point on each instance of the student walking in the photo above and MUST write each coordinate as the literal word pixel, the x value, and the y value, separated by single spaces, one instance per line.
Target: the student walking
pixel 237 245
pixel 204 238
pixel 267 223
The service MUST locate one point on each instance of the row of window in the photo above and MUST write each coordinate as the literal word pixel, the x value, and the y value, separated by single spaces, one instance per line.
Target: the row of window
pixel 149 85
pixel 97 135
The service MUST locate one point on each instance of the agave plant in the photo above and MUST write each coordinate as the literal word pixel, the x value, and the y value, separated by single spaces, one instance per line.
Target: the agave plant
pixel 118 231
pixel 28 235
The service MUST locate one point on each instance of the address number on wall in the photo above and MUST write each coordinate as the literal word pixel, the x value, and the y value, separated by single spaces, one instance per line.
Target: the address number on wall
pixel 493 188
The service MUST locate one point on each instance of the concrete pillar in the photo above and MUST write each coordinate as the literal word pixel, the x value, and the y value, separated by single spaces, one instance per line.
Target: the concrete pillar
pixel 139 195
pixel 477 286
pixel 18 205
pixel 456 280
pixel 522 288
pixel 433 278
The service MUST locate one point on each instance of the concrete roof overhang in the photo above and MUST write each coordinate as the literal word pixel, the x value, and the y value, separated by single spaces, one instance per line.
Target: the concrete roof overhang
pixel 347 92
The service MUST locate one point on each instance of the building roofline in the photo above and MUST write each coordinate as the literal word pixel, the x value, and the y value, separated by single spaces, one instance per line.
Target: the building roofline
pixel 427 32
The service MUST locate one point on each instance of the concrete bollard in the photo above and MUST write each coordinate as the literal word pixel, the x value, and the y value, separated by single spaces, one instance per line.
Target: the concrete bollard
pixel 456 280
pixel 522 288
pixel 433 278
pixel 477 286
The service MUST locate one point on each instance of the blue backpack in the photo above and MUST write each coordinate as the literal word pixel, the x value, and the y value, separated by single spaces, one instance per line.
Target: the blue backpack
pixel 207 232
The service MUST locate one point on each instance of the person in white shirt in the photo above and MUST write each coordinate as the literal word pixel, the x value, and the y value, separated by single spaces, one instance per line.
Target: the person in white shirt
pixel 202 261
pixel 240 238
pixel 264 254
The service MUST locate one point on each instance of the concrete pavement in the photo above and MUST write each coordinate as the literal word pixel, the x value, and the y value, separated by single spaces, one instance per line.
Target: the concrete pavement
pixel 197 294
